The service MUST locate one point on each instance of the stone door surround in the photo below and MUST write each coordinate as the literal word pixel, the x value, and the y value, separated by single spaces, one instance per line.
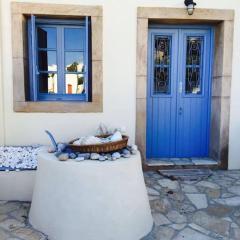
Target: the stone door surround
pixel 223 22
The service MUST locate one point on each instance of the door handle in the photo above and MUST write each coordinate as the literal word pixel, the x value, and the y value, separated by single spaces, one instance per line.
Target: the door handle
pixel 180 87
pixel 180 111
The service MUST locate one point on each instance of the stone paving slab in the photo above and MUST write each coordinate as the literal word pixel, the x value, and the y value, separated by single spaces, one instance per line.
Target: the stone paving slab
pixel 208 209
pixel 196 210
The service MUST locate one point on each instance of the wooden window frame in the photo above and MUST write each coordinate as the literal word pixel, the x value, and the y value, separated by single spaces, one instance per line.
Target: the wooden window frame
pixel 20 13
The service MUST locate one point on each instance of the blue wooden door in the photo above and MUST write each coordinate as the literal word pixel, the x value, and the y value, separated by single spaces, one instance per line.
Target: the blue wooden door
pixel 179 90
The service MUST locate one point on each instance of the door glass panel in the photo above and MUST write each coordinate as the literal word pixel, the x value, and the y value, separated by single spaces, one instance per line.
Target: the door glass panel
pixel 162 63
pixel 193 65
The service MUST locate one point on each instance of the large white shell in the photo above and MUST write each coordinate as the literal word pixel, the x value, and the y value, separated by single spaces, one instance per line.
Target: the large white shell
pixel 117 136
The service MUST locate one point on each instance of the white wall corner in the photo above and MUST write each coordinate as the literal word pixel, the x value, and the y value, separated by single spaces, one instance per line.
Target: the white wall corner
pixel 2 129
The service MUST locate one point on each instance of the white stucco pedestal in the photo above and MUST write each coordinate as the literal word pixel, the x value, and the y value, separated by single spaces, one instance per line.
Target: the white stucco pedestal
pixel 90 200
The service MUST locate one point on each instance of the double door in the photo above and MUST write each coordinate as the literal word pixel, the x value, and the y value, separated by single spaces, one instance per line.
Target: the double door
pixel 179 92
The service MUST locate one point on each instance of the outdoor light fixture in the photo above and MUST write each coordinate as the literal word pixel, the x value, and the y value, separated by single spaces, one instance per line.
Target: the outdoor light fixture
pixel 190 4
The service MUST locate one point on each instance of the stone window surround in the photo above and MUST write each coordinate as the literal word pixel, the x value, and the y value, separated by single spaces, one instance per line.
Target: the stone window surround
pixel 223 22
pixel 20 56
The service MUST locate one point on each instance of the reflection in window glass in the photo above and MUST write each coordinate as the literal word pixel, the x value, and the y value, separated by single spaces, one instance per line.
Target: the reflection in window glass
pixel 47 37
pixel 47 61
pixel 193 65
pixel 48 83
pixel 162 50
pixel 74 38
pixel 74 83
pixel 162 65
pixel 161 80
pixel 74 62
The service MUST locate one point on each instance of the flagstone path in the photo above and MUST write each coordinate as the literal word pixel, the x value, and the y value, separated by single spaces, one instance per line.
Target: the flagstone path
pixel 195 210
pixel 182 210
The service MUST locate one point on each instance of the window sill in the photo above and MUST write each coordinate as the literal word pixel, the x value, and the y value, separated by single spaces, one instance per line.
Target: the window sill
pixel 59 107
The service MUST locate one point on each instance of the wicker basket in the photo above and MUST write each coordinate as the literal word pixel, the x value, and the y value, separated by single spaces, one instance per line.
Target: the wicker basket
pixel 100 148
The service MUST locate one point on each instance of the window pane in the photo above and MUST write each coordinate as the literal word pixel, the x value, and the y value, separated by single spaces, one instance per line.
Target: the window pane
pixel 162 64
pixel 74 62
pixel 74 38
pixel 193 62
pixel 48 83
pixel 47 60
pixel 47 37
pixel 74 83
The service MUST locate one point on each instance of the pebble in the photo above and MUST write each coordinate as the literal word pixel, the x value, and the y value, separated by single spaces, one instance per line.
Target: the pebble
pixel 134 152
pixel 57 154
pixel 116 155
pixel 95 156
pixel 102 158
pixel 72 155
pixel 125 151
pixel 63 156
pixel 84 155
pixel 51 150
pixel 61 147
pixel 134 147
pixel 79 159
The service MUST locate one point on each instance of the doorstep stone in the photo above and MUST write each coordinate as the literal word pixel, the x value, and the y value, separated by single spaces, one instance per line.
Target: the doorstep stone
pixel 202 161
pixel 160 163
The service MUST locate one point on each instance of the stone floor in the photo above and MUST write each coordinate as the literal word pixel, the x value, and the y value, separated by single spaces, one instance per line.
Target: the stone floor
pixel 190 210
pixel 195 210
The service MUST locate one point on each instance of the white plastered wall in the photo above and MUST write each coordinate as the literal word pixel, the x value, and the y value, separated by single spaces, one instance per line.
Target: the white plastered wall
pixel 2 129
pixel 119 81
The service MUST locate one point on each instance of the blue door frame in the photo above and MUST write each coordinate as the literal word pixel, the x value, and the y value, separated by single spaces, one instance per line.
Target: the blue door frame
pixel 178 108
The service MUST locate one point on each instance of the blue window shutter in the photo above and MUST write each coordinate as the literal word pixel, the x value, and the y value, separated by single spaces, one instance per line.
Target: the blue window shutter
pixel 32 58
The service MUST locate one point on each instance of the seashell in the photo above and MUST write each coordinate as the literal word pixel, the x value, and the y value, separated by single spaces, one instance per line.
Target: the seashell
pixel 91 140
pixel 126 155
pixel 54 143
pixel 61 147
pixel 117 136
pixel 102 129
pixel 94 156
pixel 77 142
pixel 63 157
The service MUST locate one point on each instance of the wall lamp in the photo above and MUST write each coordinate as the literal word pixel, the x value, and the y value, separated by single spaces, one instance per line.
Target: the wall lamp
pixel 190 4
